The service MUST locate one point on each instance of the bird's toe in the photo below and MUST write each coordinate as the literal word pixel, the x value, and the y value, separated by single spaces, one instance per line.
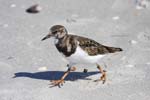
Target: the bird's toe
pixel 56 83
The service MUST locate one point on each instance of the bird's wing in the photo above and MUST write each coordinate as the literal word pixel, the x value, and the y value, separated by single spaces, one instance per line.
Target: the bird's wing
pixel 94 48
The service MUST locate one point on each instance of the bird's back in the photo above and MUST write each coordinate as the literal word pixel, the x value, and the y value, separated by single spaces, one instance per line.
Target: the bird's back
pixel 68 46
pixel 94 48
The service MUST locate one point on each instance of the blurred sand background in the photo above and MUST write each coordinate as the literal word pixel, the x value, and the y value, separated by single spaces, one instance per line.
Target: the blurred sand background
pixel 27 64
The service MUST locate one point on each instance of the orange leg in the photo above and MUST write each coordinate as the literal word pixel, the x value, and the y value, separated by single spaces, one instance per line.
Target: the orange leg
pixel 103 77
pixel 61 81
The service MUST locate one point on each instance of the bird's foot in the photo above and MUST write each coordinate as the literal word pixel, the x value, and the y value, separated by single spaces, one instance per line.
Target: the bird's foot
pixel 61 81
pixel 102 78
pixel 57 83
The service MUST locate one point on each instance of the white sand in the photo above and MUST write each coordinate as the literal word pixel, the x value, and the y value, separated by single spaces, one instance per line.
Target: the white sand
pixel 34 62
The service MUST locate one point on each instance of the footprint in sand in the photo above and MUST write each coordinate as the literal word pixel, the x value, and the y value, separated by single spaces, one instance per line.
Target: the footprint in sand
pixel 144 37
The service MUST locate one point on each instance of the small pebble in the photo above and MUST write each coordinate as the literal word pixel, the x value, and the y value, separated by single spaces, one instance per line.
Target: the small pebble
pixel 133 42
pixel 34 9
pixel 13 5
pixel 130 66
pixel 42 68
pixel 115 17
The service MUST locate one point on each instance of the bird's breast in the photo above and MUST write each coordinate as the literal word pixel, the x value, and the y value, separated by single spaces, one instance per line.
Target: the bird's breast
pixel 64 49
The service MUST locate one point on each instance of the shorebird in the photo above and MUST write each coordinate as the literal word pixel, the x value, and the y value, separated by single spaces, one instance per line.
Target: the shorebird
pixel 78 50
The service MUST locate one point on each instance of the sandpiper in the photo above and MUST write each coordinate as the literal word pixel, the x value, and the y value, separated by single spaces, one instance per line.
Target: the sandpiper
pixel 77 49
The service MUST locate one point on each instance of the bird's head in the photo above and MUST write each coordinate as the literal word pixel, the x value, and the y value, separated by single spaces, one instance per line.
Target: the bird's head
pixel 56 31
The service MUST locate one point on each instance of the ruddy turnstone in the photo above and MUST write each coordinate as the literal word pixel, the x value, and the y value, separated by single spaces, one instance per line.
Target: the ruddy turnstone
pixel 77 49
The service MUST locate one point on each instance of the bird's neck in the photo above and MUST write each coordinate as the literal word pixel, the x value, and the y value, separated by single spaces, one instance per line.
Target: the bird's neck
pixel 60 40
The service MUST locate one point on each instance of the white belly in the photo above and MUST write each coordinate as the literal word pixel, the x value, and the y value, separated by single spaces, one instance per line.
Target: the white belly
pixel 82 57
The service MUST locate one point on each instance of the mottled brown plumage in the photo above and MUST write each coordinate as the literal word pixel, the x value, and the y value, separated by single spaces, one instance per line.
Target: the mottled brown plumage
pixel 94 48
pixel 78 49
pixel 68 44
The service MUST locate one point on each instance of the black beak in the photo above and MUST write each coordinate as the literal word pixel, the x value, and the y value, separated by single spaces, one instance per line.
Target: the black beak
pixel 46 37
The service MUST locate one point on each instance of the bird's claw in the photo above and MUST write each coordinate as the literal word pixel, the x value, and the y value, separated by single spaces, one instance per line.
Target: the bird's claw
pixel 103 81
pixel 102 78
pixel 57 83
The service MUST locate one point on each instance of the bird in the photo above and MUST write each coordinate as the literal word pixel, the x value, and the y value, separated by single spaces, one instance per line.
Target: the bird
pixel 78 50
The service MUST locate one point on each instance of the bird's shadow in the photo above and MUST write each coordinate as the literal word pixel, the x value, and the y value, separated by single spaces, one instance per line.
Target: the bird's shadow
pixel 54 75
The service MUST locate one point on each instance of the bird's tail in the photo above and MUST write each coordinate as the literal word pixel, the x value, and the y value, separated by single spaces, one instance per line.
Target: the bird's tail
pixel 114 49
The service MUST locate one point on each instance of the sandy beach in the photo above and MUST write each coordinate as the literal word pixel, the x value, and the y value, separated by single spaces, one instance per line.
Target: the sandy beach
pixel 27 64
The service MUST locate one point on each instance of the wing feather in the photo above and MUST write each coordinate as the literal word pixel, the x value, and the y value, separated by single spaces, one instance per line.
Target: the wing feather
pixel 94 48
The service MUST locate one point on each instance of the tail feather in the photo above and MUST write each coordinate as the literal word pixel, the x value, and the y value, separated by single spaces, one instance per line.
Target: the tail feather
pixel 114 49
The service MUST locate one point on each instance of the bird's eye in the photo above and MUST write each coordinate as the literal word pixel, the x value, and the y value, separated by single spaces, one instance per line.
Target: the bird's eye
pixel 54 32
